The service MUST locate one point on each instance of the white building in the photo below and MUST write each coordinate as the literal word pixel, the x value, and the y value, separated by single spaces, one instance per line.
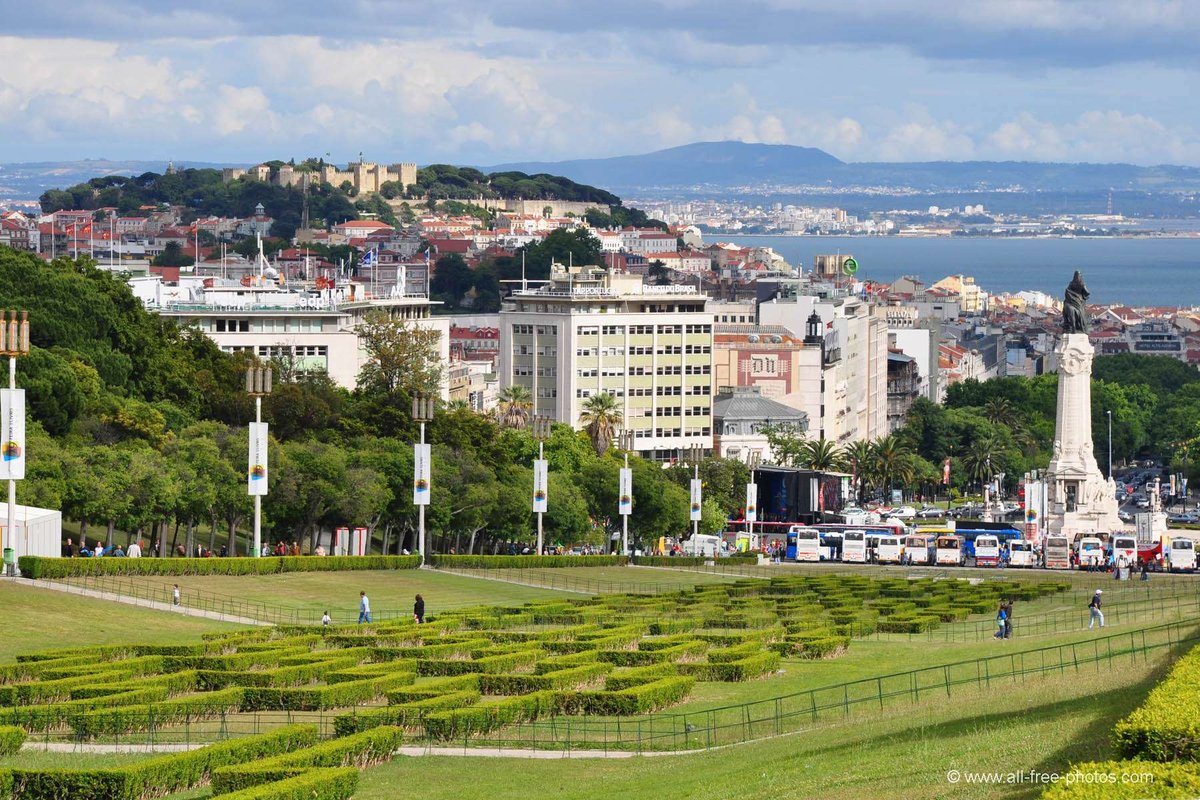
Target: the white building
pixel 591 330
pixel 315 330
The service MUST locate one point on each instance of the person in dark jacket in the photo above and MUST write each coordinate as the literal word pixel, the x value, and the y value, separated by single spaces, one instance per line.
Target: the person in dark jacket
pixel 1008 604
pixel 1094 607
pixel 419 610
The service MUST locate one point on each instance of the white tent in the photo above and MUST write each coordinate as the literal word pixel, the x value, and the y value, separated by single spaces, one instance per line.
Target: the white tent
pixel 38 531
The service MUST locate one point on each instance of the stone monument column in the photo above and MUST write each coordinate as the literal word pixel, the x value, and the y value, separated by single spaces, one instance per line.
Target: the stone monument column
pixel 1080 501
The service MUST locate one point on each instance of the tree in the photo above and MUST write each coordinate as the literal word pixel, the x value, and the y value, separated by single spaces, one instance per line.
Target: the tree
pixel 861 464
pixel 602 417
pixel 514 406
pixel 400 356
pixel 658 273
pixel 172 256
pixel 788 446
pixel 892 462
pixel 452 279
pixel 563 246
pixel 823 455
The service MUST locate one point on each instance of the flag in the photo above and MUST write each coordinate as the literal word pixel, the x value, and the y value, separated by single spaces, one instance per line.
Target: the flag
pixel 427 249
pixel 370 258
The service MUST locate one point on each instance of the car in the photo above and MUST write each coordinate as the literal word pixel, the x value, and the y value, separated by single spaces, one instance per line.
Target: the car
pixel 903 512
pixel 933 512
pixel 1187 518
pixel 1124 516
pixel 1143 503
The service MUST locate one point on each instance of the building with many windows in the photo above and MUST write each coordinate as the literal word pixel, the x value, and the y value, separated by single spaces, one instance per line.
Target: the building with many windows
pixel 590 330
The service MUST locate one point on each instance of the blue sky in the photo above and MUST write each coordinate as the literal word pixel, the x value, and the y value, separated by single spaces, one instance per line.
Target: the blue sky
pixel 486 82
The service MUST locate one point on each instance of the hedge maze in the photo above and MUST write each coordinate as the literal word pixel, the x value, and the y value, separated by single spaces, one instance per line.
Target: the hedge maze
pixel 463 674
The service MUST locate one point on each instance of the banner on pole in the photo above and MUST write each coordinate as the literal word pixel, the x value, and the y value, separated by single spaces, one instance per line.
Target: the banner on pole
pixel 257 471
pixel 625 495
pixel 421 456
pixel 540 480
pixel 697 500
pixel 751 502
pixel 12 434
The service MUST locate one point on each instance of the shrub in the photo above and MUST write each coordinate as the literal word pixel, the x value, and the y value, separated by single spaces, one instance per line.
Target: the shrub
pixel 402 715
pixel 570 678
pixel 526 562
pixel 488 716
pixel 492 664
pixel 1167 726
pixel 11 739
pixel 313 784
pixel 743 669
pixel 1163 782
pixel 638 676
pixel 670 561
pixel 359 750
pixel 317 698
pixel 434 688
pixel 125 719
pixel 53 568
pixel 634 700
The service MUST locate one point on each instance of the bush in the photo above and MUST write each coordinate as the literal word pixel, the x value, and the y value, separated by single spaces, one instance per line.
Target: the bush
pixel 52 568
pixel 670 561
pixel 359 750
pixel 402 715
pixel 743 669
pixel 125 719
pixel 318 698
pixel 313 784
pixel 526 562
pixel 11 739
pixel 504 662
pixel 489 716
pixel 561 679
pixel 634 700
pixel 1163 782
pixel 621 679
pixel 1167 726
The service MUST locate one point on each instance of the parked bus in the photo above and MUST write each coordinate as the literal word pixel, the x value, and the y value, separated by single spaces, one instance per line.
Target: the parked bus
pixel 1182 555
pixel 831 545
pixel 1091 553
pixel 1123 546
pixel 1020 553
pixel 1056 552
pixel 808 543
pixel 890 550
pixel 987 551
pixel 949 550
pixel 921 548
pixel 854 547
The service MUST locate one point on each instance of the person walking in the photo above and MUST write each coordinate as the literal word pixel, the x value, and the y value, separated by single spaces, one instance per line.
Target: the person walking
pixel 1146 569
pixel 175 595
pixel 1094 606
pixel 1001 622
pixel 325 618
pixel 419 610
pixel 364 608
pixel 135 550
pixel 1008 624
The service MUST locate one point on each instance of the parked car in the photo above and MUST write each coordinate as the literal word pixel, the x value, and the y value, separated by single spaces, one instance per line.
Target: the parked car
pixel 932 512
pixel 1188 518
pixel 903 512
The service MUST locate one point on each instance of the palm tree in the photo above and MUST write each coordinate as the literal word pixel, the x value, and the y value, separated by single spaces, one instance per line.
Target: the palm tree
pixel 514 407
pixel 981 458
pixel 892 462
pixel 823 455
pixel 458 405
pixel 858 458
pixel 602 418
pixel 1000 410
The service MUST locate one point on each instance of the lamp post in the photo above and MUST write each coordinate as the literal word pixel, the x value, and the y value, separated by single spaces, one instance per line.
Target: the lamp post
pixel 625 490
pixel 1109 412
pixel 14 343
pixel 258 386
pixel 540 427
pixel 422 412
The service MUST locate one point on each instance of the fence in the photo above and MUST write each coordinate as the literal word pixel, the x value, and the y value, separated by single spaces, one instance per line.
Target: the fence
pixel 732 724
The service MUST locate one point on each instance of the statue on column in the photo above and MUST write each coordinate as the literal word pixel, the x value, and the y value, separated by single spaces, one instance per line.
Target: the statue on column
pixel 1075 314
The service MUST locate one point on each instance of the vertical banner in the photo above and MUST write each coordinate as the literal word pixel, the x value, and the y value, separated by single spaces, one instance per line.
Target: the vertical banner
pixel 12 434
pixel 697 501
pixel 257 471
pixel 540 477
pixel 360 542
pixel 421 456
pixel 946 472
pixel 751 502
pixel 625 493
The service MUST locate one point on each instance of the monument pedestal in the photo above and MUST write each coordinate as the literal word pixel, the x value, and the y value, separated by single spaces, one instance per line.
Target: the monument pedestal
pixel 1080 501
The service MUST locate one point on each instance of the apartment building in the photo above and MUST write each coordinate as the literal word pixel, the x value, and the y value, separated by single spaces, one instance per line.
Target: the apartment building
pixel 590 330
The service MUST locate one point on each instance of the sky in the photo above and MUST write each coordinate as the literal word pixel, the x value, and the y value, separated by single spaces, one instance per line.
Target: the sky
pixel 482 83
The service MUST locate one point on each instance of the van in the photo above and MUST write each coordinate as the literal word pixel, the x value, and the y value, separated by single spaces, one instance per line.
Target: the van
pixel 890 550
pixel 1020 553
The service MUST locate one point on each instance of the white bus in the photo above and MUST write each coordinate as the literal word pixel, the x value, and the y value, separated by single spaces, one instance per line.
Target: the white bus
pixel 1091 553
pixel 1124 546
pixel 1020 553
pixel 920 548
pixel 854 547
pixel 808 543
pixel 987 551
pixel 1183 555
pixel 949 550
pixel 1057 552
pixel 890 549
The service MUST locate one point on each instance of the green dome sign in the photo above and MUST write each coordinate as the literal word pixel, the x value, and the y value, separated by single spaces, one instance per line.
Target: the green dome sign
pixel 849 266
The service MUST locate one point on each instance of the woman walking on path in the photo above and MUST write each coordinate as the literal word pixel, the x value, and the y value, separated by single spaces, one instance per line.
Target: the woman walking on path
pixel 419 610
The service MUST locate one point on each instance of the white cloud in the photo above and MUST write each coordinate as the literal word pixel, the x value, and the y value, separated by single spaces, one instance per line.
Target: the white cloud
pixel 1095 136
pixel 926 139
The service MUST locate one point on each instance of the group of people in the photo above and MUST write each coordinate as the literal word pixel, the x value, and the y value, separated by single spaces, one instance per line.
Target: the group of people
pixel 1004 624
pixel 364 610
pixel 100 550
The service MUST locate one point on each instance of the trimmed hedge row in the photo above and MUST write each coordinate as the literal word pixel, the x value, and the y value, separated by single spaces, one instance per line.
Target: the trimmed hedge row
pixel 313 784
pixel 526 562
pixel 159 776
pixel 670 561
pixel 627 702
pixel 489 715
pixel 126 719
pixel 11 739
pixel 571 678
pixel 319 698
pixel 1167 726
pixel 743 669
pixel 359 750
pixel 1102 780
pixel 403 715
pixel 491 664
pixel 52 568
pixel 297 675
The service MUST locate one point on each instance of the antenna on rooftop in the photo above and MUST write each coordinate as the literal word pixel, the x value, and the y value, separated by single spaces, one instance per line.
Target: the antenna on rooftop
pixel 524 283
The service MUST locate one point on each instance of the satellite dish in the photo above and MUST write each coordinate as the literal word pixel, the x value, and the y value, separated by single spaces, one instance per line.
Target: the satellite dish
pixel 752 338
pixel 777 339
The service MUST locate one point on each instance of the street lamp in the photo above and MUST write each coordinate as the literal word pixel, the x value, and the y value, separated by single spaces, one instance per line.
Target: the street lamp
pixel 1109 412
pixel 422 412
pixel 14 343
pixel 540 427
pixel 258 386
pixel 625 489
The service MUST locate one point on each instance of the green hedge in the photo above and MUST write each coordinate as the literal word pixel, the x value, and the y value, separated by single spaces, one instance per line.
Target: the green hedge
pixel 488 716
pixel 743 669
pixel 51 568
pixel 318 698
pixel 570 678
pixel 126 719
pixel 526 562
pixel 158 776
pixel 1103 781
pixel 621 679
pixel 359 750
pixel 1167 726
pixel 504 662
pixel 631 701
pixel 402 715
pixel 297 675
pixel 11 739
pixel 48 717
pixel 313 784
pixel 670 561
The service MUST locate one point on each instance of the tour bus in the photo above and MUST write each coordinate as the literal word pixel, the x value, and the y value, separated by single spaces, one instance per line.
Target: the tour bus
pixel 920 548
pixel 949 550
pixel 1124 546
pixel 890 549
pixel 831 545
pixel 1020 553
pixel 1182 555
pixel 1091 552
pixel 1057 552
pixel 854 547
pixel 808 543
pixel 987 551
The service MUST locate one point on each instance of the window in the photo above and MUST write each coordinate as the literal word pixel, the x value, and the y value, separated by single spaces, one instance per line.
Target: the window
pixel 522 330
pixel 697 349
pixel 588 373
pixel 612 351
pixel 668 330
pixel 544 392
pixel 613 372
pixel 585 351
pixel 667 411
pixel 668 391
pixel 613 330
pixel 702 389
pixel 671 370
pixel 641 330
pixel 700 328
pixel 547 330
pixel 589 330
pixel 696 369
pixel 641 371
pixel 670 350
pixel 547 372
pixel 640 391
pixel 641 351
pixel 695 411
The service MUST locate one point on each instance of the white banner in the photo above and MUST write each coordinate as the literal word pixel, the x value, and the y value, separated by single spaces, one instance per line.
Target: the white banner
pixel 540 480
pixel 625 493
pixel 257 474
pixel 751 502
pixel 697 501
pixel 421 479
pixel 12 434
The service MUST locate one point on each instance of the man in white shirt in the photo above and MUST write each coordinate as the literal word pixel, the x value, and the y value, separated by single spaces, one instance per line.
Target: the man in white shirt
pixel 134 551
pixel 364 608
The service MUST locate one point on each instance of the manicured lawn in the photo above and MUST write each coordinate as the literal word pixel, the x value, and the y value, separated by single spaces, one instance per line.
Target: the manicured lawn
pixel 901 753
pixel 39 619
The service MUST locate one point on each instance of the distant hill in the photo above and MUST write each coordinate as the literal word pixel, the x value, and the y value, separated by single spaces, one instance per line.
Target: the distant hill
pixel 729 165
pixel 27 181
